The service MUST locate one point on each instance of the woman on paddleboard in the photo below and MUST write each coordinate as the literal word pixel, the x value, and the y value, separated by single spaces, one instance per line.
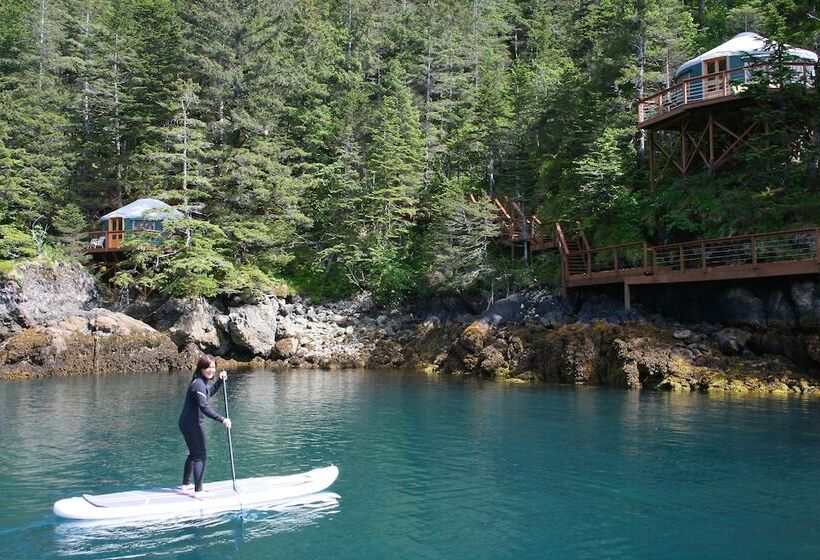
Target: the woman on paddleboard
pixel 190 420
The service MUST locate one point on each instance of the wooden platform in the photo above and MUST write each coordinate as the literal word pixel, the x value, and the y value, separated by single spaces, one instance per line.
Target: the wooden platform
pixel 659 110
pixel 765 255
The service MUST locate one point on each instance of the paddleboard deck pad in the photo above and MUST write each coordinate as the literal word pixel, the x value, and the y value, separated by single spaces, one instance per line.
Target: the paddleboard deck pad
pixel 218 497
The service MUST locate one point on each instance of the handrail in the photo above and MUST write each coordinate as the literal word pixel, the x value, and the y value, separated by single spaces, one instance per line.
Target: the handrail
pixel 751 250
pixel 738 237
pixel 715 74
pixel 609 259
pixel 609 247
pixel 708 86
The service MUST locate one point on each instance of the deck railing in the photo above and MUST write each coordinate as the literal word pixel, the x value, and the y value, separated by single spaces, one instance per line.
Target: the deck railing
pixel 756 249
pixel 613 259
pixel 727 83
pixel 637 259
pixel 104 241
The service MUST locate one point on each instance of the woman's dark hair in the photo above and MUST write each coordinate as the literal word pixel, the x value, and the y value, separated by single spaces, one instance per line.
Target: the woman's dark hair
pixel 204 363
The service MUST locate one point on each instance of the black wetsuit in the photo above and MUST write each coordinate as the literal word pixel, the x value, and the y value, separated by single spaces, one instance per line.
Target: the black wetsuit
pixel 190 424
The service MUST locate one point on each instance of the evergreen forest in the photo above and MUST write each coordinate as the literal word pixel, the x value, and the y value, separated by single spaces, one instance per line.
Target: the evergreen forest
pixel 331 146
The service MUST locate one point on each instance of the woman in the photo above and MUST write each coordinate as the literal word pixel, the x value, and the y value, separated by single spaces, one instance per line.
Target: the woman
pixel 190 421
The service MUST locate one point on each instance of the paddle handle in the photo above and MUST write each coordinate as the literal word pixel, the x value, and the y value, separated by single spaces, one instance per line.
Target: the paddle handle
pixel 230 441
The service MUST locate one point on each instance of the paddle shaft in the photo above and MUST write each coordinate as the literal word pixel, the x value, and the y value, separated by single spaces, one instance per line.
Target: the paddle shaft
pixel 230 442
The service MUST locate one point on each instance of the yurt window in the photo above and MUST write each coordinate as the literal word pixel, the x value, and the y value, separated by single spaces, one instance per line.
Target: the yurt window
pixel 714 65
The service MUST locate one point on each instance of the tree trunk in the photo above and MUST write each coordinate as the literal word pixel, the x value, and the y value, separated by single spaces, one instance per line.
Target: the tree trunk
pixel 41 44
pixel 115 194
pixel 86 32
pixel 641 85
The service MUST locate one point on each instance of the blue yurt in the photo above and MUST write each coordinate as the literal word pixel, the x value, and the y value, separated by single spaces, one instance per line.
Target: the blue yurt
pixel 142 214
pixel 740 51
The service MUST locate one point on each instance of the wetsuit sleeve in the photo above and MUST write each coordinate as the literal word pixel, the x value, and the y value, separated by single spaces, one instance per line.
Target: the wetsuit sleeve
pixel 212 389
pixel 201 391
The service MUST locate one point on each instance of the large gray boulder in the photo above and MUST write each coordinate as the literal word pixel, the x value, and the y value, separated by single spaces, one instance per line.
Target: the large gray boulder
pixel 253 327
pixel 553 312
pixel 508 310
pixel 779 311
pixel 741 308
pixel 605 308
pixel 39 293
pixel 98 321
pixel 732 341
pixel 91 342
pixel 806 304
pixel 198 325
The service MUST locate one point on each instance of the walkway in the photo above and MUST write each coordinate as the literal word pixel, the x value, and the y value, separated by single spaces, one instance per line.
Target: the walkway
pixel 783 253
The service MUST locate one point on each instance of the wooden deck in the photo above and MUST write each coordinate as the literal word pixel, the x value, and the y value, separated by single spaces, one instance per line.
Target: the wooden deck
pixel 777 254
pixel 102 242
pixel 659 109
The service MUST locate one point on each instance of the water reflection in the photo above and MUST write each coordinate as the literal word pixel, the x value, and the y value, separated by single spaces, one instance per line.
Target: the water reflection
pixel 184 536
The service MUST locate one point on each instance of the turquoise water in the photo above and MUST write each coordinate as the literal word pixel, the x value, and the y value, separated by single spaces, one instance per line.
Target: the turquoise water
pixel 431 467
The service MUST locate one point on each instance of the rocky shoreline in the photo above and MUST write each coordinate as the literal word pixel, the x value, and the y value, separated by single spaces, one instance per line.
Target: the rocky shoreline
pixel 53 323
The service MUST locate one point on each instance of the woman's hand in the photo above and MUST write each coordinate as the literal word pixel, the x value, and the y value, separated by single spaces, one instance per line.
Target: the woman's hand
pixel 227 423
pixel 223 375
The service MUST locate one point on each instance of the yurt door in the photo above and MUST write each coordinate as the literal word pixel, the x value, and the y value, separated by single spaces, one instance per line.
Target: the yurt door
pixel 115 232
pixel 715 85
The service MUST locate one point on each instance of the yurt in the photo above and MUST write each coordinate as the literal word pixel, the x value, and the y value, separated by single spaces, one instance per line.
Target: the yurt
pixel 739 52
pixel 142 214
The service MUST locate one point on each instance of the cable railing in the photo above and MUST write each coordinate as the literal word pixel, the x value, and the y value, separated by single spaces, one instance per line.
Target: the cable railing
pixel 751 250
pixel 711 86
pixel 613 259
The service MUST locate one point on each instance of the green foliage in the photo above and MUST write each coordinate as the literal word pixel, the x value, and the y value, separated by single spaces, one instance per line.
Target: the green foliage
pixel 461 243
pixel 69 219
pixel 16 244
pixel 184 259
pixel 334 144
pixel 6 269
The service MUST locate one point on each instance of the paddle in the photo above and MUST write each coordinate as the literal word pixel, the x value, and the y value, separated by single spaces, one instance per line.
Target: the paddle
pixel 230 442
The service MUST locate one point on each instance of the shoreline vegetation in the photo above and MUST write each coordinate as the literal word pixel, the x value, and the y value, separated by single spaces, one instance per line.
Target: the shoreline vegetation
pixel 337 149
pixel 54 324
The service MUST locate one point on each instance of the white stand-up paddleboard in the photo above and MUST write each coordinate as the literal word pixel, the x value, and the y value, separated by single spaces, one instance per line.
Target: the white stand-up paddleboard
pixel 218 497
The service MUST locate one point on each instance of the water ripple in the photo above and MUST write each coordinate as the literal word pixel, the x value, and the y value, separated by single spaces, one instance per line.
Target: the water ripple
pixel 430 467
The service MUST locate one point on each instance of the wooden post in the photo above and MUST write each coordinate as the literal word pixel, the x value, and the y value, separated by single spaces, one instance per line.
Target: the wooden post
pixel 615 259
pixel 680 256
pixel 651 139
pixel 754 252
pixel 711 143
pixel 627 296
pixel 589 262
pixel 703 255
